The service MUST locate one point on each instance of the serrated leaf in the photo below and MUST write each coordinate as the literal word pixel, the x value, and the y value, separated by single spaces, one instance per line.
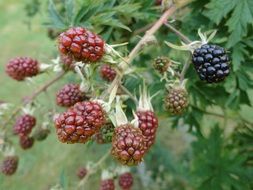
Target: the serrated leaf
pixel 238 23
pixel 218 9
pixel 56 19
pixel 69 6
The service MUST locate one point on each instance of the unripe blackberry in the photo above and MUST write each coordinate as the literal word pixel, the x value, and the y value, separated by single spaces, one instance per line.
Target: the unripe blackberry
pixel 80 122
pixel 69 94
pixel 128 145
pixel 148 123
pixel 92 112
pixel 211 62
pixel 107 184
pixel 107 72
pixel 41 134
pixel 81 172
pixel 161 64
pixel 26 142
pixel 24 124
pixel 81 44
pixel 105 134
pixel 126 181
pixel 9 165
pixel 21 67
pixel 68 62
pixel 176 101
pixel 72 128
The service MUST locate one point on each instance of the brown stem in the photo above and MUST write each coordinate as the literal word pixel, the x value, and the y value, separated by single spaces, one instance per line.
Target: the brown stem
pixel 32 97
pixel 151 31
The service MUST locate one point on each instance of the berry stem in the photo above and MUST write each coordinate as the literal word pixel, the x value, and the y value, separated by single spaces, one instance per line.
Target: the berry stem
pixel 183 37
pixel 93 170
pixel 32 97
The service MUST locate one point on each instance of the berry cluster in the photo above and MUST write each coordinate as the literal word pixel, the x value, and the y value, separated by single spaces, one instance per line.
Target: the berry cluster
pixel 107 73
pixel 9 165
pixel 80 122
pixel 128 145
pixel 107 184
pixel 23 127
pixel 176 101
pixel 81 172
pixel 211 62
pixel 105 134
pixel 148 124
pixel 126 181
pixel 21 67
pixel 69 94
pixel 81 44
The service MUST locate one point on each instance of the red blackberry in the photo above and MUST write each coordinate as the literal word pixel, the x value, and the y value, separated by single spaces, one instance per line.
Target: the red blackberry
pixel 69 94
pixel 24 124
pixel 81 44
pixel 92 112
pixel 211 62
pixel 81 172
pixel 126 181
pixel 107 72
pixel 68 63
pixel 72 128
pixel 128 145
pixel 80 122
pixel 105 134
pixel 21 67
pixel 107 184
pixel 176 101
pixel 9 165
pixel 148 124
pixel 26 142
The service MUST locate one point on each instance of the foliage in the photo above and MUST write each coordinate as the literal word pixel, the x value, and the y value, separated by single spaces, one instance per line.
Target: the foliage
pixel 217 159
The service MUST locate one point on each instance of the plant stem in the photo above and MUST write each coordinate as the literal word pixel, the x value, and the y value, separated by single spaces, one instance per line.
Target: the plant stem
pixel 151 32
pixel 129 94
pixel 93 170
pixel 32 97
pixel 183 37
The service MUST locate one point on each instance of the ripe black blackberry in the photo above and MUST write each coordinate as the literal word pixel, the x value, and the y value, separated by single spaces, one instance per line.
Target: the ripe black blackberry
pixel 211 62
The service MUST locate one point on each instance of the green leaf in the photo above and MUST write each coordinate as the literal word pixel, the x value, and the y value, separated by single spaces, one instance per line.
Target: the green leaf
pixel 240 18
pixel 69 6
pixel 238 55
pixel 218 9
pixel 56 19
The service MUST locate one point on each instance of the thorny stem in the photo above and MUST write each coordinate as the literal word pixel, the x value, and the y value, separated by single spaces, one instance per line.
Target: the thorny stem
pixel 93 170
pixel 32 97
pixel 129 94
pixel 183 37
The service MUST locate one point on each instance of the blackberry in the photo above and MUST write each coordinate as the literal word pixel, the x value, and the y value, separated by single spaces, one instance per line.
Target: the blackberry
pixel 126 181
pixel 82 45
pixel 26 142
pixel 69 94
pixel 128 145
pixel 81 172
pixel 211 62
pixel 105 134
pixel 9 165
pixel 161 64
pixel 107 184
pixel 176 101
pixel 21 67
pixel 107 72
pixel 24 124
